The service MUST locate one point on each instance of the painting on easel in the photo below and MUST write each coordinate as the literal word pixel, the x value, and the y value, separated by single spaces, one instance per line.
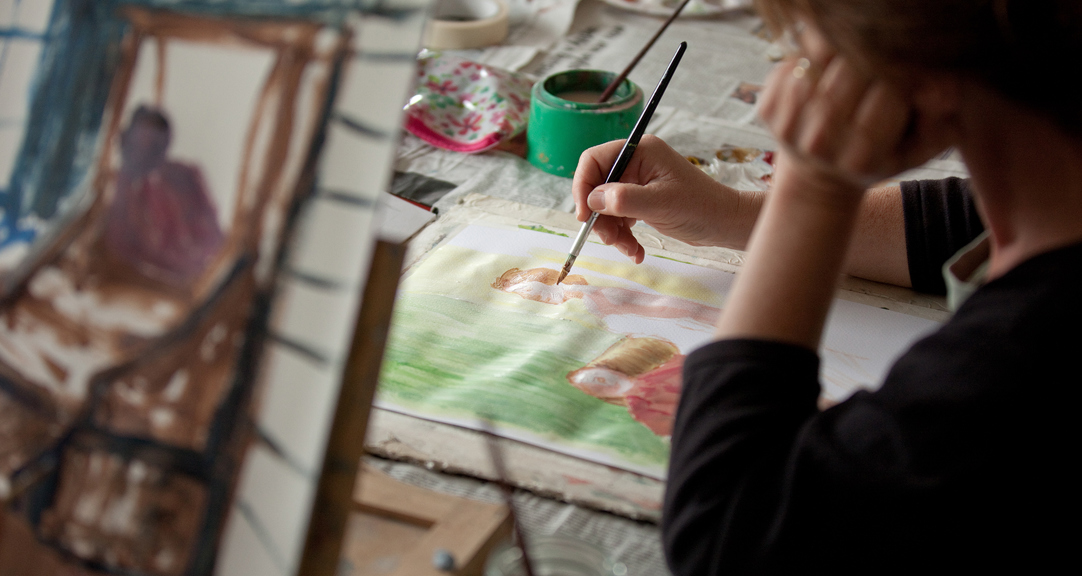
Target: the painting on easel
pixel 164 214
pixel 590 367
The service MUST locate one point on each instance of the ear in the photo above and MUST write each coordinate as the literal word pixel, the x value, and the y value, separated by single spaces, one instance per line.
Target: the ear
pixel 938 97
pixel 937 103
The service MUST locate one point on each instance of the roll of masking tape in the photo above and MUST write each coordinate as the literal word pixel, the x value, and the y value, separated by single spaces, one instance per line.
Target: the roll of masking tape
pixel 461 24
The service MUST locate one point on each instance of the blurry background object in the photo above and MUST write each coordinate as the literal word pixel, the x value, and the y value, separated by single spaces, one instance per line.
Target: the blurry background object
pixel 459 24
pixel 189 194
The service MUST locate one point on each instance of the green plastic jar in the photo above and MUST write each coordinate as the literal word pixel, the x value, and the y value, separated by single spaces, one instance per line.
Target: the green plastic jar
pixel 562 125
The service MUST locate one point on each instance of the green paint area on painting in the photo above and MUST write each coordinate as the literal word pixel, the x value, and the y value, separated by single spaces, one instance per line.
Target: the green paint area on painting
pixel 458 359
pixel 539 228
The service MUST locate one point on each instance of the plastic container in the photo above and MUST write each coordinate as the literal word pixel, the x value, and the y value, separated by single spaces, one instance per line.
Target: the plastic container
pixel 562 126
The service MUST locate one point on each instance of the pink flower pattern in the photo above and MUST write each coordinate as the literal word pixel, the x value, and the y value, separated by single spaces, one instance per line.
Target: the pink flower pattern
pixel 445 88
pixel 471 122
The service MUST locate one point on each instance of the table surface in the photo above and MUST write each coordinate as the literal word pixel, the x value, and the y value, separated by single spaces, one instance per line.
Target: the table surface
pixel 708 105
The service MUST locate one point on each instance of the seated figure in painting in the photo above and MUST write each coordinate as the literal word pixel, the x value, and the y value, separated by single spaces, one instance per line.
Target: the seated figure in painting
pixel 162 221
pixel 127 364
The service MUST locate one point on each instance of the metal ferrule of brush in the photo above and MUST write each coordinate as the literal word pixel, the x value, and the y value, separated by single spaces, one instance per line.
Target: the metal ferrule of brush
pixel 584 233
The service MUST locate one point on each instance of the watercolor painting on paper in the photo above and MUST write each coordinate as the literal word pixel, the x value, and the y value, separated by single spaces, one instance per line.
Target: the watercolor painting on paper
pixel 173 173
pixel 590 367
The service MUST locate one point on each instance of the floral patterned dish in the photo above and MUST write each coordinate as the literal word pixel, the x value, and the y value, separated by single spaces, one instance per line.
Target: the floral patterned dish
pixel 464 106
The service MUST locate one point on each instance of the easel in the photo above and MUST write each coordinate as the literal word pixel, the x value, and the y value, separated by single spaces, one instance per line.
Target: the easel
pixel 395 519
pixel 358 517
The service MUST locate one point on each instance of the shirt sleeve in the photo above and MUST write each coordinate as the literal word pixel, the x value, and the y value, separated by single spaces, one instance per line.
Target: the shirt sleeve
pixel 954 464
pixel 742 404
pixel 761 482
pixel 940 219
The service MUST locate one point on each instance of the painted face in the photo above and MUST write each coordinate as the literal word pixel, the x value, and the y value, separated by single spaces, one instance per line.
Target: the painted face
pixel 144 143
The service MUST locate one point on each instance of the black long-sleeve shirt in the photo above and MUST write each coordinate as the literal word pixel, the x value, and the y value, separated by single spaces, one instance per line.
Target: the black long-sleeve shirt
pixel 960 460
pixel 940 219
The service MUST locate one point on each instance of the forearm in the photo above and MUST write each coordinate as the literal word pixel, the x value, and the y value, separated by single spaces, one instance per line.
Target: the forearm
pixel 795 255
pixel 739 212
pixel 877 251
pixel 878 248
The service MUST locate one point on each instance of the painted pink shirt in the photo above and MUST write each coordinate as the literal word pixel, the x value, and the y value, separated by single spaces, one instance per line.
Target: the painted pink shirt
pixel 164 223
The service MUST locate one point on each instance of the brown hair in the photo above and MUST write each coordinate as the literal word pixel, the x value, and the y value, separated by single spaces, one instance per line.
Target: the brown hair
pixel 1028 50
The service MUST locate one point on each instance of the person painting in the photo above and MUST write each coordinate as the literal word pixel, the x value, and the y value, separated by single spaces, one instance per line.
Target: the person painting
pixel 162 221
pixel 960 460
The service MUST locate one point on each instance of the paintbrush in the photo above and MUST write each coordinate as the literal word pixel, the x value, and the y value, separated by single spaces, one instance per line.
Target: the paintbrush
pixel 508 493
pixel 611 88
pixel 625 155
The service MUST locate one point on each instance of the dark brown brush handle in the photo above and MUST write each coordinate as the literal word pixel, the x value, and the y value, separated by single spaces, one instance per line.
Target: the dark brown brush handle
pixel 611 88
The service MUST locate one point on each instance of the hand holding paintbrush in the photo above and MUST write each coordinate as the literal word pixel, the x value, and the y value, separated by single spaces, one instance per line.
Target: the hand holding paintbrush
pixel 625 155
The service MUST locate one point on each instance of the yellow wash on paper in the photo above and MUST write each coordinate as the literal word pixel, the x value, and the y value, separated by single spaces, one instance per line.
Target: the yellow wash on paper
pixel 467 275
pixel 679 286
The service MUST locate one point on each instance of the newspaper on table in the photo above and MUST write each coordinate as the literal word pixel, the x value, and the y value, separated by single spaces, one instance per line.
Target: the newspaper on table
pixel 534 26
pixel 726 61
pixel 708 113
